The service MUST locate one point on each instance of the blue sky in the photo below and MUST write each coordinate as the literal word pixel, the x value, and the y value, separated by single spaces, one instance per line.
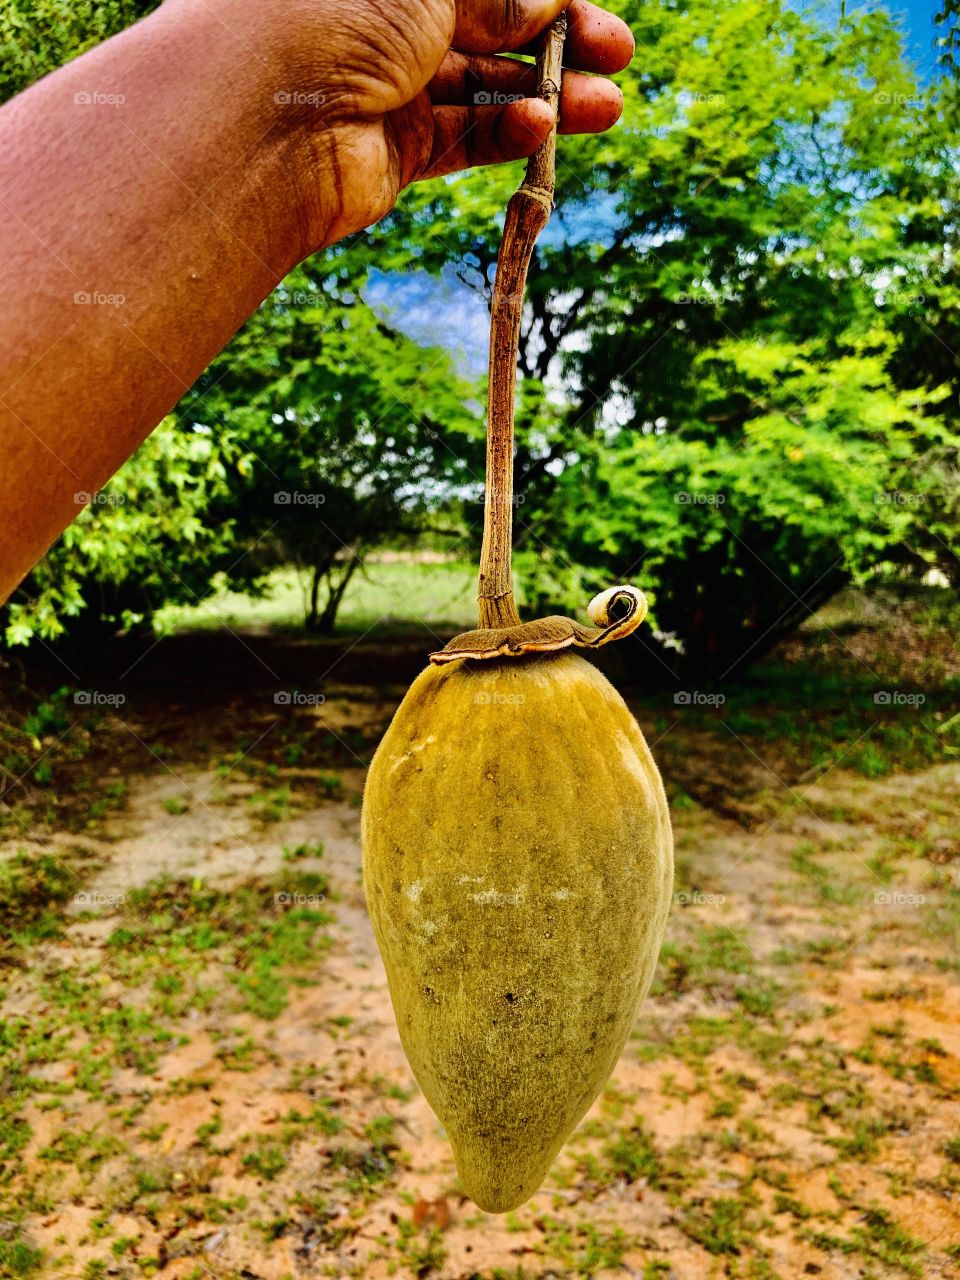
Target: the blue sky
pixel 917 19
pixel 428 307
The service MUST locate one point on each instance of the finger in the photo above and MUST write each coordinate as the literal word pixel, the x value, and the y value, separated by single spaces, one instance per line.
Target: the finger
pixel 596 40
pixel 587 104
pixel 468 136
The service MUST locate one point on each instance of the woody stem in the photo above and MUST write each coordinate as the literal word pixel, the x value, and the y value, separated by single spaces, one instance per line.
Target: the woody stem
pixel 527 214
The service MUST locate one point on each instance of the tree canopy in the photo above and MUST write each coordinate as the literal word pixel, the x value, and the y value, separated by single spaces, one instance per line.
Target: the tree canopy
pixel 738 362
pixel 739 354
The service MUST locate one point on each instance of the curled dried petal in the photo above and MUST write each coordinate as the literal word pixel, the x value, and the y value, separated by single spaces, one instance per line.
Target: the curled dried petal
pixel 617 612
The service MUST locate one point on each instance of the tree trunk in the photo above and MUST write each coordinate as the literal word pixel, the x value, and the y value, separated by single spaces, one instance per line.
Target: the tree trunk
pixel 335 594
pixel 317 575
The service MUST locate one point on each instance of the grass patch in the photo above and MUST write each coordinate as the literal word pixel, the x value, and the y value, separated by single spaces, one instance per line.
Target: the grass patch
pixel 34 889
pixel 18 1257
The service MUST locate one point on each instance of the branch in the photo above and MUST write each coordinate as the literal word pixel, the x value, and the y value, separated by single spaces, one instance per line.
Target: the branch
pixel 528 211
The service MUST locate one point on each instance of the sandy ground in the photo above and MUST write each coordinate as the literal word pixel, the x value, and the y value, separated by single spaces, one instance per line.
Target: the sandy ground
pixel 785 1108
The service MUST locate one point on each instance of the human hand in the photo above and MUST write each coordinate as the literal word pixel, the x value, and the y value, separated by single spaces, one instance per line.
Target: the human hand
pixel 368 96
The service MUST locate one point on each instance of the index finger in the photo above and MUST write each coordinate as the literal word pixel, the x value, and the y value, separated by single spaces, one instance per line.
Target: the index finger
pixel 596 39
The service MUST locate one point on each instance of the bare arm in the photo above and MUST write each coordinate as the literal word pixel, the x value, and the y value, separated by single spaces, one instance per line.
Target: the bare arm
pixel 156 189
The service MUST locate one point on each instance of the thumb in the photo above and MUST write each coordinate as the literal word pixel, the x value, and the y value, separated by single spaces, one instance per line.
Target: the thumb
pixel 493 26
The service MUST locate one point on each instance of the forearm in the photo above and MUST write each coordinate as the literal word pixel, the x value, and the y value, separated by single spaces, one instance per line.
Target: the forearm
pixel 155 190
pixel 147 206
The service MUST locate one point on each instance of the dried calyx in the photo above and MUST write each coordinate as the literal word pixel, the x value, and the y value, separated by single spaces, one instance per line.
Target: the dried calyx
pixel 616 612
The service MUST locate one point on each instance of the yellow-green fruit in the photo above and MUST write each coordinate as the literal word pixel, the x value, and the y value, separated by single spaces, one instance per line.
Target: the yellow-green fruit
pixel 518 864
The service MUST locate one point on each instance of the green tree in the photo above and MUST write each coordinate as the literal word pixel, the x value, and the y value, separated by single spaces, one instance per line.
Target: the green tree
pixel 948 40
pixel 354 431
pixel 142 542
pixel 746 299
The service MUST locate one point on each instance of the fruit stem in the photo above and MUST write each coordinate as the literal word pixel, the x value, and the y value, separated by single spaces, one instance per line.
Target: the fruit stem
pixel 527 214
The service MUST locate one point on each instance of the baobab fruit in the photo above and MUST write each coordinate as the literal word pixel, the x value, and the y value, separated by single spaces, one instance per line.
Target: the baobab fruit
pixel 518 865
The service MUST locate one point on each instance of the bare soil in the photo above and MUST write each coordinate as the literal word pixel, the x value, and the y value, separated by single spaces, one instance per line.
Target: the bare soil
pixel 193 1092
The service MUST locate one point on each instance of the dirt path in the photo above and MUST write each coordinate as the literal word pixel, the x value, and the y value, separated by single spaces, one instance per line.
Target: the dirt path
pixel 208 1081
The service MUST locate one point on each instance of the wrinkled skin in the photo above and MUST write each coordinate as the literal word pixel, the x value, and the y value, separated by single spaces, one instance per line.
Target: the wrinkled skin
pixel 518 867
pixel 388 89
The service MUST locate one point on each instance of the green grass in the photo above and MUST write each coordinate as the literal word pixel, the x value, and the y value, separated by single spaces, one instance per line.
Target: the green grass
pixel 632 1156
pixel 818 717
pixel 583 1247
pixel 363 1169
pixel 722 1226
pixel 267 1160
pixel 178 946
pixel 436 593
pixel 878 1237
pixel 18 1257
pixel 261 933
pixel 34 890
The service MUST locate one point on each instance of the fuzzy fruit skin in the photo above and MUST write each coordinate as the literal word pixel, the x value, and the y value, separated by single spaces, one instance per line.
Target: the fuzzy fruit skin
pixel 518 869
